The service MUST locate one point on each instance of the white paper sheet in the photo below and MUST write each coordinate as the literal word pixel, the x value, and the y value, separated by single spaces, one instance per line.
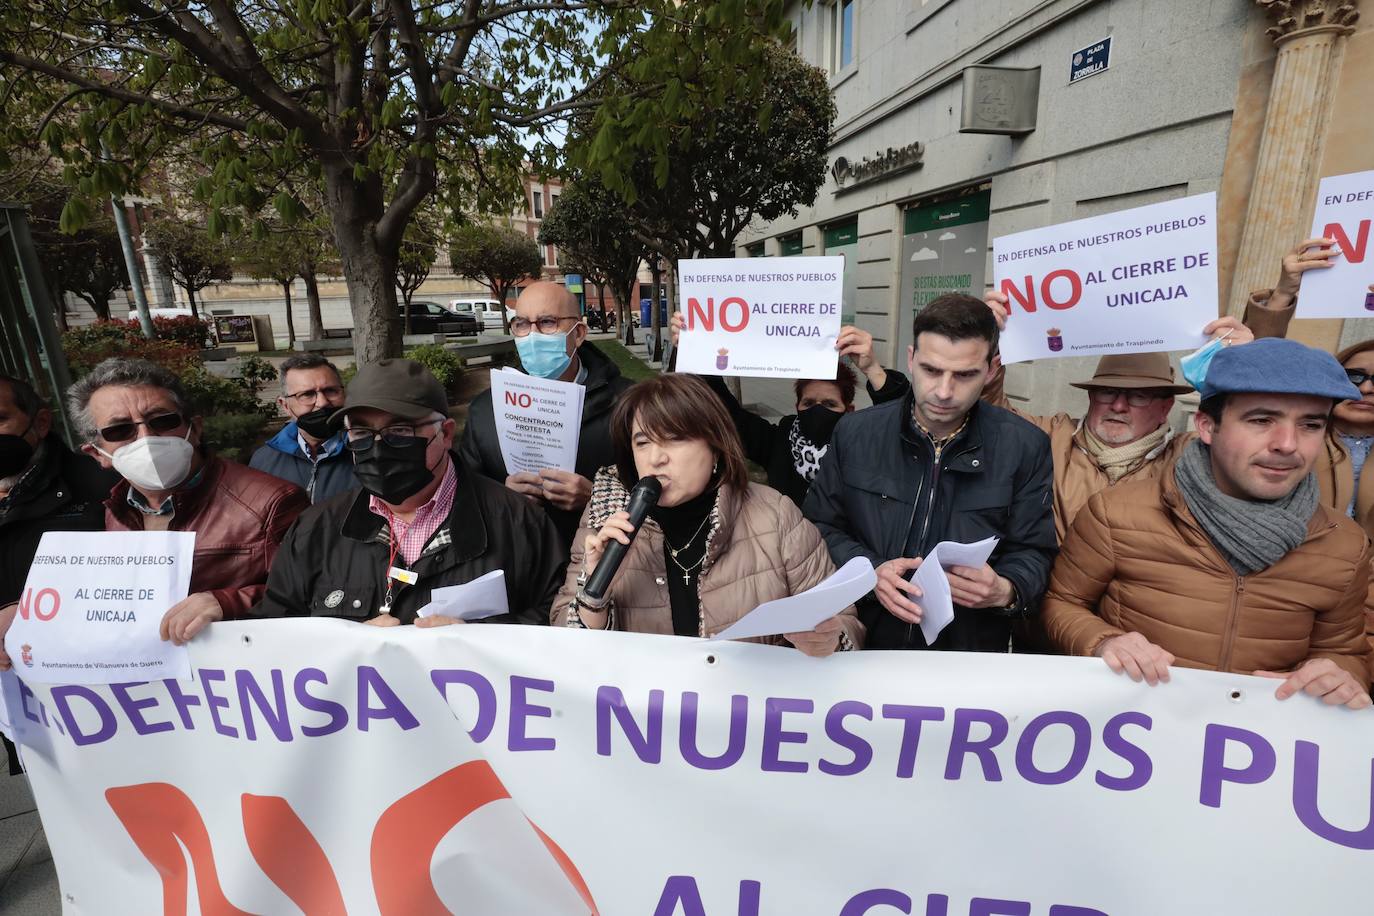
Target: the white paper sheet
pixel 937 605
pixel 1345 208
pixel 483 597
pixel 803 612
pixel 93 604
pixel 538 421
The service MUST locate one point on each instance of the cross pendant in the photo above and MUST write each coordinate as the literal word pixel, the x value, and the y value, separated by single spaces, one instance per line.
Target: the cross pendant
pixel 687 578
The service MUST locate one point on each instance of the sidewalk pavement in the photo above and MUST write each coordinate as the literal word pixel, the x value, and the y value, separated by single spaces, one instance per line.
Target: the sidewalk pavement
pixel 28 881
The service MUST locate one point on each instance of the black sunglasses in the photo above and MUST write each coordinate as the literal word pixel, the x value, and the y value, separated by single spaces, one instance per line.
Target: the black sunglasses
pixel 1358 378
pixel 123 432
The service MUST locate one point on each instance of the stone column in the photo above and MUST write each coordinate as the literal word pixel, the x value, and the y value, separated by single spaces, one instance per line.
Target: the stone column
pixel 1309 35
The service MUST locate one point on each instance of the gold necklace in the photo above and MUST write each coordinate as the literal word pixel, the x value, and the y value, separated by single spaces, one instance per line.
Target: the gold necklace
pixel 674 551
pixel 687 570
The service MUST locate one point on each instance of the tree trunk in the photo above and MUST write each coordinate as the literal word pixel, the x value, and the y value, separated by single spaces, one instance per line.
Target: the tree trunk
pixel 312 296
pixel 290 319
pixel 59 307
pixel 500 292
pixel 191 294
pixel 369 271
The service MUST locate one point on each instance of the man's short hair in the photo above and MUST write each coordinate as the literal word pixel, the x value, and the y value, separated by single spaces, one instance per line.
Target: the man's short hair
pixel 957 316
pixel 126 373
pixel 305 361
pixel 25 398
pixel 1214 406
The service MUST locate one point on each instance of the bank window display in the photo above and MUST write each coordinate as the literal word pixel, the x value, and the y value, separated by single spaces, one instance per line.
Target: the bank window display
pixel 754 250
pixel 790 244
pixel 842 240
pixel 944 250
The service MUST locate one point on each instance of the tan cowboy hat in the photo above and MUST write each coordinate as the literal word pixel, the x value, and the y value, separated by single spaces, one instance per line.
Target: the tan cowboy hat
pixel 1134 370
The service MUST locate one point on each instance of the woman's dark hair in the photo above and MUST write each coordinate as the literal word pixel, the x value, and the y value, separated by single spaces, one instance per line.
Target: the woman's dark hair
pixel 957 316
pixel 844 377
pixel 674 406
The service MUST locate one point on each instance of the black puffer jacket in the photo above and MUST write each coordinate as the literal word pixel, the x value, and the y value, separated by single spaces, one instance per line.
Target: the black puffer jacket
pixel 334 559
pixel 881 494
pixel 481 450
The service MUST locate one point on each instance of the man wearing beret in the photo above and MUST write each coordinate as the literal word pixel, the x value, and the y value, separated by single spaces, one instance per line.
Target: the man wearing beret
pixel 1229 562
pixel 420 521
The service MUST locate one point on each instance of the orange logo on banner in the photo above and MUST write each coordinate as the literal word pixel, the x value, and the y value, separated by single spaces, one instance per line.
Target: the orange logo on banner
pixel 161 819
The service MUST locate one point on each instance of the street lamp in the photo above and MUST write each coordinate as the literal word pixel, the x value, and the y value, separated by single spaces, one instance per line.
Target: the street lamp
pixel 656 268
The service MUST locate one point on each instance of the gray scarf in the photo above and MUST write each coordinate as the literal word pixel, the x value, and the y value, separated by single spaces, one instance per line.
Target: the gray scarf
pixel 1251 535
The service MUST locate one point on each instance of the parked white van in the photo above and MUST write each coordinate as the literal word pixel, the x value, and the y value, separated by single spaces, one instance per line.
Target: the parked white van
pixel 486 311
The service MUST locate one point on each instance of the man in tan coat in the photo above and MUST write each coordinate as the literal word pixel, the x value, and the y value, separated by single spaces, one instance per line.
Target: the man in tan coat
pixel 1228 562
pixel 1125 434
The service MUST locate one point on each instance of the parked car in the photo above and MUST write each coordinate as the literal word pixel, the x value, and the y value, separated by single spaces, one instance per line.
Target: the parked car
pixel 433 318
pixel 486 311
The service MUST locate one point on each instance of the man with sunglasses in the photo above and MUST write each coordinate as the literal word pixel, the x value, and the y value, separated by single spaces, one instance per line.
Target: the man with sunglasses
pixel 309 451
pixel 420 521
pixel 552 342
pixel 135 418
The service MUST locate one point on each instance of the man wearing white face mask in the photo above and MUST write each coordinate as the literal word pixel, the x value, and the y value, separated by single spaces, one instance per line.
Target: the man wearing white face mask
pixel 552 342
pixel 135 418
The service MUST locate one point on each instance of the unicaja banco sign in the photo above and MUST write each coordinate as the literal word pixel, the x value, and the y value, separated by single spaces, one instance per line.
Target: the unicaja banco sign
pixel 849 173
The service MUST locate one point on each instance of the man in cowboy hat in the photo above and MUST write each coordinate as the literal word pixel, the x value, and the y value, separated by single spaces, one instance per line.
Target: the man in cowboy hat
pixel 1125 434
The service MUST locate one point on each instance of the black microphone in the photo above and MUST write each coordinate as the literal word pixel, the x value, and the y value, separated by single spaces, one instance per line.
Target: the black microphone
pixel 643 497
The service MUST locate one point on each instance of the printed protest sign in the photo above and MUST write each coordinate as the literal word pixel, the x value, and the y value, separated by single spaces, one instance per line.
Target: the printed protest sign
pixel 730 778
pixel 538 421
pixel 1137 281
pixel 93 603
pixel 763 317
pixel 1345 209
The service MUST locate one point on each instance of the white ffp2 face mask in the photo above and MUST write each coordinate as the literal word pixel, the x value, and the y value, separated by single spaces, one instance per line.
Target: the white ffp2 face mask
pixel 154 462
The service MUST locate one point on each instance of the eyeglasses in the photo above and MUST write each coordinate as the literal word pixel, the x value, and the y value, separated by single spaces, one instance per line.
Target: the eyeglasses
pixel 361 438
pixel 1358 378
pixel 520 327
pixel 309 396
pixel 1134 396
pixel 162 423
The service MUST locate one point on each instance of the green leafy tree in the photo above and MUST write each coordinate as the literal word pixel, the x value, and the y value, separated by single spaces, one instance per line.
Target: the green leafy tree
pixel 419 249
pixel 589 224
pixel 275 258
pixel 759 154
pixel 192 258
pixel 498 256
pixel 383 102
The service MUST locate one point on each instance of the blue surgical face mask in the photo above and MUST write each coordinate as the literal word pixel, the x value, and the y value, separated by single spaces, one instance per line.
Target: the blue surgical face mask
pixel 1195 364
pixel 544 355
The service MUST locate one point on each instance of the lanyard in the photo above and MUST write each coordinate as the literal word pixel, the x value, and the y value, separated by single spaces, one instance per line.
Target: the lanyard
pixel 394 573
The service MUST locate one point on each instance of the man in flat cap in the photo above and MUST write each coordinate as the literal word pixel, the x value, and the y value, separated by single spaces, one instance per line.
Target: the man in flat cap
pixel 1228 562
pixel 419 522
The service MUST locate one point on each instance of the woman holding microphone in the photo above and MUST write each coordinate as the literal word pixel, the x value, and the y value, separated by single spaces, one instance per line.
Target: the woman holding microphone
pixel 713 548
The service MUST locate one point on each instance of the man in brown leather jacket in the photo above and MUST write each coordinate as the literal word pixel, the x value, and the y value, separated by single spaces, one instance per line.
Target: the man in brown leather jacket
pixel 1229 561
pixel 135 418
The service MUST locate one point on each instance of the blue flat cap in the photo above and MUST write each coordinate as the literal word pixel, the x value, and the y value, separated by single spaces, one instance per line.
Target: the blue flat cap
pixel 1273 365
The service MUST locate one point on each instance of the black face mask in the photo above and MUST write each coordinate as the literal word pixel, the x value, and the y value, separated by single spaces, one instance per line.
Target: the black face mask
pixel 15 453
pixel 317 422
pixel 393 474
pixel 818 423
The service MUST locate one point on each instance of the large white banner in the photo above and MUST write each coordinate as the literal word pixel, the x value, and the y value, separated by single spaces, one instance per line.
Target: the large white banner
pixel 1134 281
pixel 763 317
pixel 1345 210
pixel 313 765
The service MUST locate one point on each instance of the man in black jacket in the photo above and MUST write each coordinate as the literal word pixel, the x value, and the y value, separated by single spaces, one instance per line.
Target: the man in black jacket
pixel 551 340
pixel 421 520
pixel 44 486
pixel 938 465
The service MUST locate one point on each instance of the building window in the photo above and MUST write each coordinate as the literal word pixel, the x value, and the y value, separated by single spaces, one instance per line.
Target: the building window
pixel 754 250
pixel 842 29
pixel 538 203
pixel 790 244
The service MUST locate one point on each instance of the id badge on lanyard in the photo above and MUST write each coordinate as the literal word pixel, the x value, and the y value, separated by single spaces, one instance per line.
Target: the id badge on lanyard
pixel 395 574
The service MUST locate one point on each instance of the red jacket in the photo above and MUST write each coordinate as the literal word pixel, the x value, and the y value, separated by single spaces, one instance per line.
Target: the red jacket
pixel 239 516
